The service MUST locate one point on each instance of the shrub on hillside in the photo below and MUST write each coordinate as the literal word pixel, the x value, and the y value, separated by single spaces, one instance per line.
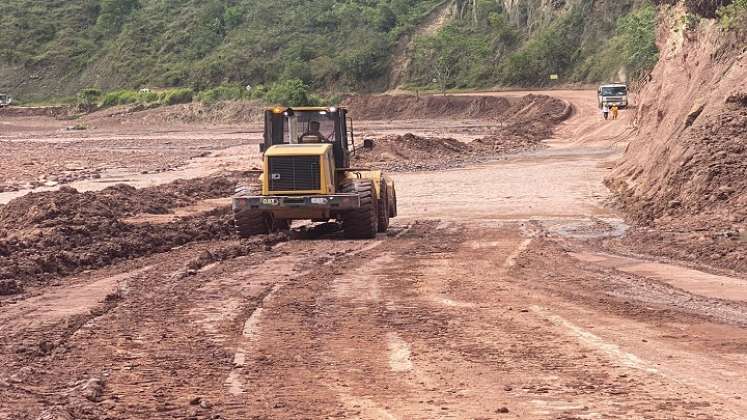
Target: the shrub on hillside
pixel 223 93
pixel 553 50
pixel 632 48
pixel 121 97
pixel 734 16
pixel 176 96
pixel 705 8
pixel 290 93
pixel 88 99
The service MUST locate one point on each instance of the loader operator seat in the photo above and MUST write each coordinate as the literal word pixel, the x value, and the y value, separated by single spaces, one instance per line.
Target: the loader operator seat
pixel 312 135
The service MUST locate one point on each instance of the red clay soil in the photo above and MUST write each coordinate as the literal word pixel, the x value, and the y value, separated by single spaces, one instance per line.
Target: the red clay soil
pixel 522 127
pixel 220 113
pixel 50 234
pixel 685 173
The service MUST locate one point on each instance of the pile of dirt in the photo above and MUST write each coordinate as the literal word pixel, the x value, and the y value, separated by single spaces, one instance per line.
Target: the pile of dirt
pixel 58 233
pixel 522 127
pixel 219 113
pixel 405 107
pixel 411 152
pixel 685 173
pixel 40 111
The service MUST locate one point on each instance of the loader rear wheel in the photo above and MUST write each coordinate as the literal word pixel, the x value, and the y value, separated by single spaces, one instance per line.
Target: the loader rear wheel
pixel 393 198
pixel 361 223
pixel 383 210
pixel 251 222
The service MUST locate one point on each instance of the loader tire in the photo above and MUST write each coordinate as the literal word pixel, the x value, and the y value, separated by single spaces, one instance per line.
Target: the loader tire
pixel 393 205
pixel 383 210
pixel 361 223
pixel 251 222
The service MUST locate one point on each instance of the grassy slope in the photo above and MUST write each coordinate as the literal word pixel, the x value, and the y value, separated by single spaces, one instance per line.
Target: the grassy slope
pixel 55 48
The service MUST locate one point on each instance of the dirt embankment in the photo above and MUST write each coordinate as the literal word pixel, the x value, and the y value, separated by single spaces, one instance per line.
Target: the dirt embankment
pixel 50 234
pixel 405 107
pixel 520 126
pixel 220 113
pixel 35 111
pixel 683 179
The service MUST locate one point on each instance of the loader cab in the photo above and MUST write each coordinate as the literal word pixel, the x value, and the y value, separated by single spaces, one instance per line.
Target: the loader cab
pixel 5 100
pixel 329 125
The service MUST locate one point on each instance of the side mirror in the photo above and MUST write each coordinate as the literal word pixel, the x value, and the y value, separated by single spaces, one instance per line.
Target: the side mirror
pixel 262 148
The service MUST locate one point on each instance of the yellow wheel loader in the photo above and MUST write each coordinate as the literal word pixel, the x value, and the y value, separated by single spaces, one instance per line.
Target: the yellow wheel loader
pixel 307 175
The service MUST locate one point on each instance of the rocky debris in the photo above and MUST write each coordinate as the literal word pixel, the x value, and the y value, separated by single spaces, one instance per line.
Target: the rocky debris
pixel 9 287
pixel 55 413
pixel 246 247
pixel 93 389
pixel 65 177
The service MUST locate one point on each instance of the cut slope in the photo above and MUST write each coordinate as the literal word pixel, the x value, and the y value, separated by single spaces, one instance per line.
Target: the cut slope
pixel 403 107
pixel 686 171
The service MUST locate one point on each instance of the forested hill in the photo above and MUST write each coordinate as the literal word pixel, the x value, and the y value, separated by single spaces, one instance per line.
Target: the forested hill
pixel 63 44
pixel 55 48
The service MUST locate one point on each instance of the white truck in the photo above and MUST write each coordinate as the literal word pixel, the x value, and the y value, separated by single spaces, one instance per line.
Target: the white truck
pixel 5 100
pixel 613 94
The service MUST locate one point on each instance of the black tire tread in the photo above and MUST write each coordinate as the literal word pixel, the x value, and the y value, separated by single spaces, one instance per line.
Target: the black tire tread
pixel 383 210
pixel 250 222
pixel 361 223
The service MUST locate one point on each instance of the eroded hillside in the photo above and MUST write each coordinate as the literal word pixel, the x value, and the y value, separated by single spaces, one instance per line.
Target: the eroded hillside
pixel 685 173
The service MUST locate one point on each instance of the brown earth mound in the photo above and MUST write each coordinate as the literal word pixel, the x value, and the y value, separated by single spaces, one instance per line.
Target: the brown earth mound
pixel 42 111
pixel 220 113
pixel 683 179
pixel 59 233
pixel 405 107
pixel 522 127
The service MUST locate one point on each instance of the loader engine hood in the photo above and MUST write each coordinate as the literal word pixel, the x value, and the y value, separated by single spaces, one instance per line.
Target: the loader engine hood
pixel 298 150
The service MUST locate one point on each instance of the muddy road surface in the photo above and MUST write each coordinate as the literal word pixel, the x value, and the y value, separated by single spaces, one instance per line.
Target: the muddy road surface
pixel 489 298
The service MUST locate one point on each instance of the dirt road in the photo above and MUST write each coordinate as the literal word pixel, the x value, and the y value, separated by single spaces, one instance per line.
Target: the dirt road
pixel 487 300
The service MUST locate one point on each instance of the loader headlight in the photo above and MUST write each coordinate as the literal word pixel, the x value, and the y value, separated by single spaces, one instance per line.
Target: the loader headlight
pixel 319 200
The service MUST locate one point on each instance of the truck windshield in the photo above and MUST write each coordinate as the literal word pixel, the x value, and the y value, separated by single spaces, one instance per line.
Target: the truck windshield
pixel 614 91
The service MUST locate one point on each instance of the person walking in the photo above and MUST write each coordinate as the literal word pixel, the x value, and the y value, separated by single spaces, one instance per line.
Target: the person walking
pixel 605 110
pixel 615 110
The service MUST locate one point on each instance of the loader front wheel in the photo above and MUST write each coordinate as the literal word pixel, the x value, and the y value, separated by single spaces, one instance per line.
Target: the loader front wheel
pixel 363 222
pixel 383 210
pixel 251 222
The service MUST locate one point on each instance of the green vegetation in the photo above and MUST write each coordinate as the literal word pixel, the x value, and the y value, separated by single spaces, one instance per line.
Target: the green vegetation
pixel 465 52
pixel 553 50
pixel 201 44
pixel 690 21
pixel 578 44
pixel 91 99
pixel 225 93
pixel 633 48
pixel 733 16
pixel 210 50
